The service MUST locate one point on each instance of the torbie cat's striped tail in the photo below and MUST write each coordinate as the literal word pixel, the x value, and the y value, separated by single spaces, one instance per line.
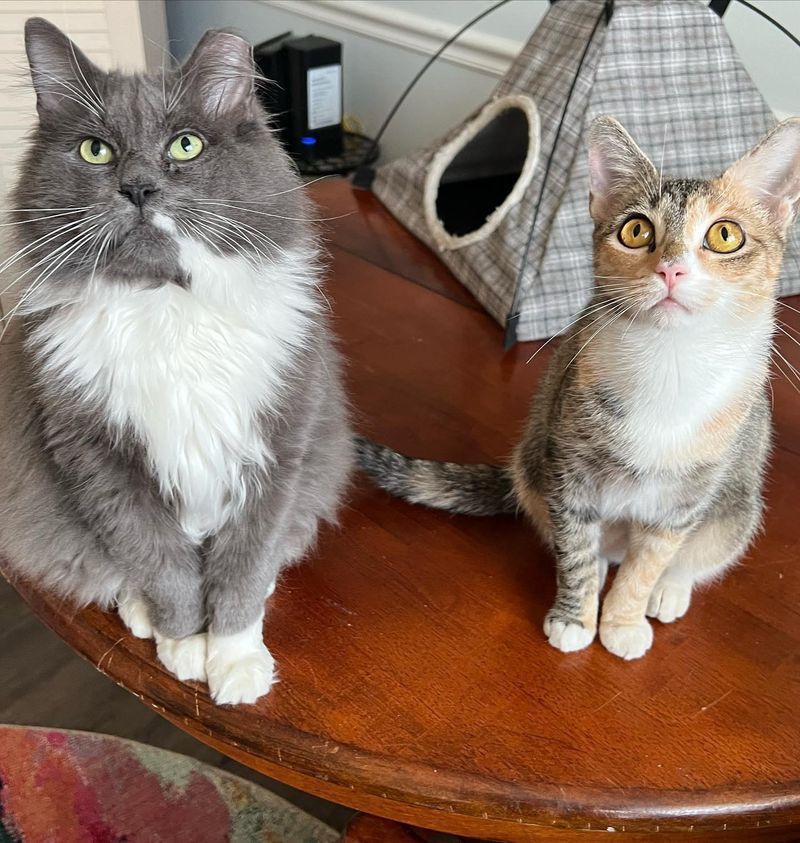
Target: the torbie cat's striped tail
pixel 478 489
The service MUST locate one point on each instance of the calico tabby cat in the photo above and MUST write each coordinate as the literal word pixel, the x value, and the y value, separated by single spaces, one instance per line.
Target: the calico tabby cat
pixel 172 423
pixel 647 439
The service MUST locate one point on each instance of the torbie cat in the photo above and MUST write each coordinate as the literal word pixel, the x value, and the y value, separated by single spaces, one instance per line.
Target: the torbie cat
pixel 172 423
pixel 647 439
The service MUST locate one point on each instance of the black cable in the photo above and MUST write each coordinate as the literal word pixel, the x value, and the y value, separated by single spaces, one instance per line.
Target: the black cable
pixel 364 175
pixel 513 316
pixel 775 23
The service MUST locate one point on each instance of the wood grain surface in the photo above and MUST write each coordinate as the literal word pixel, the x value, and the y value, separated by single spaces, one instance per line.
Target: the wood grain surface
pixel 365 828
pixel 415 681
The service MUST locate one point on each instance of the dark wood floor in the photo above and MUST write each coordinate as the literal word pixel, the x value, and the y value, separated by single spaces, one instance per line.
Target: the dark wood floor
pixel 44 683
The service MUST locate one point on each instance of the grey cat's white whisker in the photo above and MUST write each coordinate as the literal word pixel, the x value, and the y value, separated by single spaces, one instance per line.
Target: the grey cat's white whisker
pixel 262 200
pixel 20 255
pixel 55 260
pixel 39 219
pixel 241 226
pixel 43 210
pixel 228 234
pixel 37 244
pixel 77 92
pixel 273 216
pixel 100 240
pixel 187 228
pixel 78 101
pixel 227 237
pixel 92 94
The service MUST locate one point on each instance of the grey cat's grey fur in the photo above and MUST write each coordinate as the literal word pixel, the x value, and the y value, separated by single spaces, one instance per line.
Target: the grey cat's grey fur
pixel 648 437
pixel 82 508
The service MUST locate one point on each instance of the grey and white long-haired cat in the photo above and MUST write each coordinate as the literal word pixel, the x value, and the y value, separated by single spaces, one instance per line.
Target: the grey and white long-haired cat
pixel 647 439
pixel 172 420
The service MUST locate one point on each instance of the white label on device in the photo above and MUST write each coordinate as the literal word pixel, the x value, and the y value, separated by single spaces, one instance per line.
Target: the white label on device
pixel 324 96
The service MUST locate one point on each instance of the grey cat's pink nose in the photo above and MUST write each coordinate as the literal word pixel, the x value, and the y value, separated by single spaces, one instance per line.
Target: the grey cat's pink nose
pixel 671 273
pixel 138 192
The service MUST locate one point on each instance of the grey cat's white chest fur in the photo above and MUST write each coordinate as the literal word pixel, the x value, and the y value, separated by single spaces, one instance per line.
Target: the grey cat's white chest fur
pixel 189 369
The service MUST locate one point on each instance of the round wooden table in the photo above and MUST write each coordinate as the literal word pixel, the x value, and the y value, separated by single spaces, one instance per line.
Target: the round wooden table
pixel 415 681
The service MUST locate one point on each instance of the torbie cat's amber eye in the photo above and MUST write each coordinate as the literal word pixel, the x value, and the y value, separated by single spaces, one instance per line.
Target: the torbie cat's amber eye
pixel 636 233
pixel 94 151
pixel 724 237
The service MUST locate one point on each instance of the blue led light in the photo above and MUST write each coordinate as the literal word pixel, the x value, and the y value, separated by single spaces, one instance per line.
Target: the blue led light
pixel 307 141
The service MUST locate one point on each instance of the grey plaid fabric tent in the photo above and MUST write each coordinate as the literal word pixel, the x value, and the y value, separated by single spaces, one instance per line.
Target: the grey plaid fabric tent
pixel 665 69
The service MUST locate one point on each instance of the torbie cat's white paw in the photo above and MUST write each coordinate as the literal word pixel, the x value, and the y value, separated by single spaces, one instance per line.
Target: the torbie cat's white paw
pixel 628 641
pixel 670 599
pixel 240 668
pixel 566 636
pixel 133 613
pixel 185 658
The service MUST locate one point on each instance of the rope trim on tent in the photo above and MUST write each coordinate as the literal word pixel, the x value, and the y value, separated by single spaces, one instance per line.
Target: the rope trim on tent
pixel 444 157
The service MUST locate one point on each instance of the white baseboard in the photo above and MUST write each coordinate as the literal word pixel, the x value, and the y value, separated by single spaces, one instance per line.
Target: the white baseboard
pixel 487 53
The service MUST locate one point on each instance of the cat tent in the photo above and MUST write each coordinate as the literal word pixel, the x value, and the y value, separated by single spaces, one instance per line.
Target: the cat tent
pixel 503 198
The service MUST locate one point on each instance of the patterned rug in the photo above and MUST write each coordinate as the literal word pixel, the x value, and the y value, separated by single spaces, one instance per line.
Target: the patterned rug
pixel 74 787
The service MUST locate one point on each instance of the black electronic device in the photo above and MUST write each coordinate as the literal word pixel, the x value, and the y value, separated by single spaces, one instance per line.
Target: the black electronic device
pixel 314 67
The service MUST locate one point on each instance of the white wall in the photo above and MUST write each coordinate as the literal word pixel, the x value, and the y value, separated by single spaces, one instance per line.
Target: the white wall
pixel 386 41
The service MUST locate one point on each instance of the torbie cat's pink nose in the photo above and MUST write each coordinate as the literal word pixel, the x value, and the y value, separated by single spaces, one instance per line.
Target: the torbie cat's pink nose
pixel 672 272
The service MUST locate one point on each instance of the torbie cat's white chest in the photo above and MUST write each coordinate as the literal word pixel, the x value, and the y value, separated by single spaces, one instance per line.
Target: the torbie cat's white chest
pixel 189 370
pixel 672 388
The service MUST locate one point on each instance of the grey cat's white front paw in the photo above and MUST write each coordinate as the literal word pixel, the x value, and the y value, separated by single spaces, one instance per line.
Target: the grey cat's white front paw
pixel 185 658
pixel 567 636
pixel 240 668
pixel 134 614
pixel 628 641
pixel 243 680
pixel 670 599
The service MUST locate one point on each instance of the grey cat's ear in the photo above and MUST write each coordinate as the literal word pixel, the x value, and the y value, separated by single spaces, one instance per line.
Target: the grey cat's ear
pixel 616 166
pixel 63 77
pixel 771 171
pixel 221 71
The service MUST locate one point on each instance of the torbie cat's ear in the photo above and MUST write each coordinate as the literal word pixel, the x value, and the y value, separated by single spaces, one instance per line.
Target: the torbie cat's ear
pixel 221 70
pixel 63 77
pixel 616 167
pixel 770 171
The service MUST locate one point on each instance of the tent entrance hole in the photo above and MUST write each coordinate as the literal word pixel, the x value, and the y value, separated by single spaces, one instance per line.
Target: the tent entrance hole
pixel 483 172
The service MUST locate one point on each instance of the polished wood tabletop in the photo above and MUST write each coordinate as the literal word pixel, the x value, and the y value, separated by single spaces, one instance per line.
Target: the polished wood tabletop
pixel 415 681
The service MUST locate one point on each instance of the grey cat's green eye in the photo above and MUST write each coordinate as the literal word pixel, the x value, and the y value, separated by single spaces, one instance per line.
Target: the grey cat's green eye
pixel 95 151
pixel 185 147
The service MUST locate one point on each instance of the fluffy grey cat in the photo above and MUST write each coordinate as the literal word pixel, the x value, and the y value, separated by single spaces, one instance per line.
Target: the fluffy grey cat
pixel 172 421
